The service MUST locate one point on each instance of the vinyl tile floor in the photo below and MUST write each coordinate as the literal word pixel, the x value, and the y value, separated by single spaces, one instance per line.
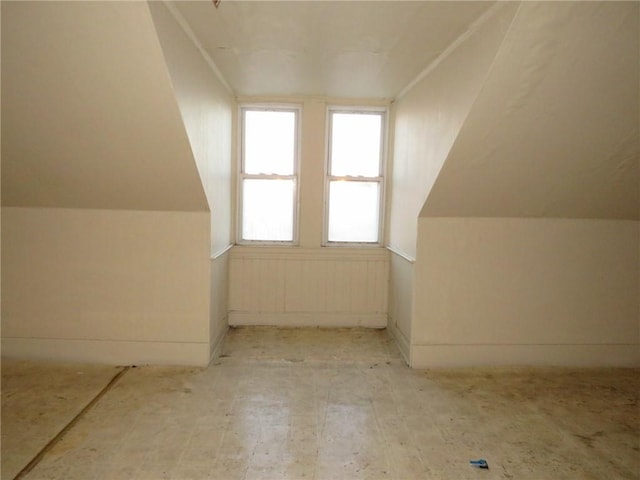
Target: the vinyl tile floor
pixel 320 404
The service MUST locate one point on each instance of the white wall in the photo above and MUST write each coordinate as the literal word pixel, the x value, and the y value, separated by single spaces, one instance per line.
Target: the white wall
pixel 94 122
pixel 526 249
pixel 401 303
pixel 206 105
pixel 309 285
pixel 540 264
pixel 428 119
pixel 527 291
pixel 219 294
pixel 107 286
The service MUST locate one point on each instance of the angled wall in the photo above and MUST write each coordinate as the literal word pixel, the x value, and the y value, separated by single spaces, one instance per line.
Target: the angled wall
pixel 89 115
pixel 106 228
pixel 554 130
pixel 206 106
pixel 428 119
pixel 528 244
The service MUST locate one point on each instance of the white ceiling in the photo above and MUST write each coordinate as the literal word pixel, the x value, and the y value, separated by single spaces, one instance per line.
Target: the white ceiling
pixel 353 49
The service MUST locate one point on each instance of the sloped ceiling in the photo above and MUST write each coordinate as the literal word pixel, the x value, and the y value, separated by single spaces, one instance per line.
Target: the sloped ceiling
pixel 554 131
pixel 89 119
pixel 361 49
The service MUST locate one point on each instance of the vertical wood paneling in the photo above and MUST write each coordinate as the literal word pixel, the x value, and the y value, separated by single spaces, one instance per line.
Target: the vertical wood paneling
pixel 380 279
pixel 401 301
pixel 330 267
pixel 235 283
pixel 339 299
pixel 251 286
pixel 267 286
pixel 316 282
pixel 359 295
pixel 372 290
pixel 293 289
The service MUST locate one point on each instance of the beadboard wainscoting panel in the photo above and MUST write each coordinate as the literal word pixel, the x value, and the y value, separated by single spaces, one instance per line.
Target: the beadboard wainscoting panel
pixel 308 287
pixel 401 297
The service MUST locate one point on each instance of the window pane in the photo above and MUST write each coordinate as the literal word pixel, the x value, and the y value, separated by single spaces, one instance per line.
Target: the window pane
pixel 355 144
pixel 267 210
pixel 353 211
pixel 269 142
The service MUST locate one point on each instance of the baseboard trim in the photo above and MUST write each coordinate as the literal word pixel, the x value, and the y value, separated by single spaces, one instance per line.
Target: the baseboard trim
pixel 368 320
pixel 107 352
pixel 216 343
pixel 401 340
pixel 435 356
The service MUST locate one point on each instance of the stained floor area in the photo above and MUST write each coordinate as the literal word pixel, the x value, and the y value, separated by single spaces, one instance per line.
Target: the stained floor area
pixel 340 404
pixel 38 401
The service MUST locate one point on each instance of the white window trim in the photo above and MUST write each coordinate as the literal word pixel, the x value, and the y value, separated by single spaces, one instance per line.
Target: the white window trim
pixel 384 111
pixel 241 176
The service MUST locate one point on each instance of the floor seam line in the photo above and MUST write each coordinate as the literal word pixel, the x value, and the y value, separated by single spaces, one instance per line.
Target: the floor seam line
pixel 51 443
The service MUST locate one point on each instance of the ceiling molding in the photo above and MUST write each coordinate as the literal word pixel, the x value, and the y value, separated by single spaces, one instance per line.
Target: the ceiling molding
pixel 187 30
pixel 452 47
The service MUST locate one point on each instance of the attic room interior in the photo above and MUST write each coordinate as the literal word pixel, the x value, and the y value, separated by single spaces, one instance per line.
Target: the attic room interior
pixel 320 240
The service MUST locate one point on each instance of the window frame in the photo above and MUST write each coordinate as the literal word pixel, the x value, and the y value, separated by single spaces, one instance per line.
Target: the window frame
pixel 241 175
pixel 381 178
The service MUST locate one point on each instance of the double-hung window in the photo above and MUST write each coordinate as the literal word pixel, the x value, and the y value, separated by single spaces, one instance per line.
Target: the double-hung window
pixel 354 181
pixel 268 181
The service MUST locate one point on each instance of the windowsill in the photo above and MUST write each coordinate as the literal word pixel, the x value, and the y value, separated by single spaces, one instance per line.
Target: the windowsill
pixel 320 252
pixel 295 246
pixel 352 245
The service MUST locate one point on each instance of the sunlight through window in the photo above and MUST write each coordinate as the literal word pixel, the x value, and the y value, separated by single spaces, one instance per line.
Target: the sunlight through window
pixel 354 177
pixel 268 174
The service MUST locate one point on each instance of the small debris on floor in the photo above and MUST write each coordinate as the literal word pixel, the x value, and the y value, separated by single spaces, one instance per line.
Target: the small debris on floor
pixel 481 463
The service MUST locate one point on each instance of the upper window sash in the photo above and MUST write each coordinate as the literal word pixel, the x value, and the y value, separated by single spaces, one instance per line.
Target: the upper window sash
pixel 372 173
pixel 287 155
pixel 342 127
pixel 249 167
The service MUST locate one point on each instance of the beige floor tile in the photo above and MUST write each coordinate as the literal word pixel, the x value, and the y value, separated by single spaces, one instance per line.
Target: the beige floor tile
pixel 346 467
pixel 329 404
pixel 112 472
pixel 38 400
pixel 192 472
pixel 265 466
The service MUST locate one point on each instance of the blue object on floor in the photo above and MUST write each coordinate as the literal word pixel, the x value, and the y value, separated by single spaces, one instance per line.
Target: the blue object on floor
pixel 479 463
